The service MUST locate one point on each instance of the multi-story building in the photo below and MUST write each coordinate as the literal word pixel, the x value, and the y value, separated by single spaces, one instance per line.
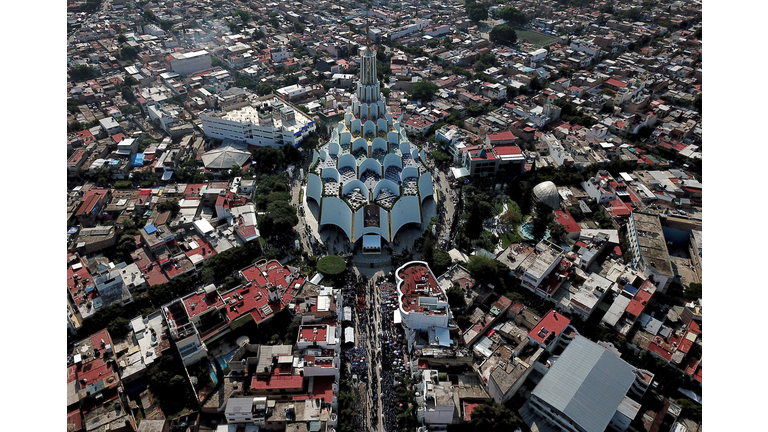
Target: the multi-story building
pixel 649 249
pixel 271 123
pixel 437 408
pixel 543 270
pixel 189 63
pixel 423 305
pixel 554 330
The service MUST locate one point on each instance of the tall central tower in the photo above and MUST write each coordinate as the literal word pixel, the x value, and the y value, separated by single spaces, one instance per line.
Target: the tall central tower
pixel 368 88
pixel 369 180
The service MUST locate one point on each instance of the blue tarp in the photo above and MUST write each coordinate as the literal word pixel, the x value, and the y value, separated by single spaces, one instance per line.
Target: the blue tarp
pixel 630 289
pixel 150 229
pixel 138 160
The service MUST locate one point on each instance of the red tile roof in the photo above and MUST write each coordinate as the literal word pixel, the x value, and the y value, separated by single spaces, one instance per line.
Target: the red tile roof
pixel 75 420
pixel 203 248
pixel 90 200
pixel 197 304
pixel 468 408
pixel 154 276
pixel 552 322
pixel 417 279
pixel 276 382
pixel 638 303
pixel 565 219
pixel 507 150
pixel 618 208
pixel 322 387
pixel 308 333
pixel 616 83
pixel 501 136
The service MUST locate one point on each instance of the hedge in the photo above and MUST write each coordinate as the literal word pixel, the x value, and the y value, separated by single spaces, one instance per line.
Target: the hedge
pixel 331 265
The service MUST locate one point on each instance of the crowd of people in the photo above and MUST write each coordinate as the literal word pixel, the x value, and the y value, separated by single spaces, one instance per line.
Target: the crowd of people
pixel 390 355
pixel 374 321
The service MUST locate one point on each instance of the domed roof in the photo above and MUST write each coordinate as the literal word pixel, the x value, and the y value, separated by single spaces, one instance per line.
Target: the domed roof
pixel 546 192
pixel 225 156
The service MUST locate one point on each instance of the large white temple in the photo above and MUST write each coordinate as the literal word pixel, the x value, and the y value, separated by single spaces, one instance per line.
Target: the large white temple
pixel 369 180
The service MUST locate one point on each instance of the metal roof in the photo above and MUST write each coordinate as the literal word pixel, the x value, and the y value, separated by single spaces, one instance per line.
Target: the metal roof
pixel 587 384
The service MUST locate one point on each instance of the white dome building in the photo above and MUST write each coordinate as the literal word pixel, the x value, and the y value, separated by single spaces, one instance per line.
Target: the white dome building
pixel 546 192
pixel 369 180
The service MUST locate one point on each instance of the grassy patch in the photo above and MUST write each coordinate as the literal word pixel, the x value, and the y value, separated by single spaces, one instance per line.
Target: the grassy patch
pixel 331 265
pixel 178 414
pixel 536 38
pixel 510 237
pixel 236 324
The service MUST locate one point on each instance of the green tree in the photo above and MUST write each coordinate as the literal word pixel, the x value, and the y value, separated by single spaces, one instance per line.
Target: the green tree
pixel 299 27
pixel 235 171
pixel 493 417
pixel 127 93
pixel 566 72
pixel 441 260
pixel 428 250
pixel 475 110
pixel 510 218
pixel 483 268
pixel 503 34
pixel 292 154
pixel 149 15
pixel 441 157
pixel 557 232
pixel 544 216
pixel 128 52
pixel 423 90
pixel 476 11
pixel 82 73
pixel 268 159
pixel 693 291
pixel 690 409
pixel 118 327
pixel 122 39
pixel 512 15
pixel 208 275
pixel 171 206
pixel 279 219
pixel 456 297
pixel 265 89
pixel 243 14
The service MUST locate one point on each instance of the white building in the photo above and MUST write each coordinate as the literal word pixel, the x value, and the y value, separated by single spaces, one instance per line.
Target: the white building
pixel 423 306
pixel 112 289
pixel 436 402
pixel 279 54
pixel 272 123
pixel 649 249
pixel 191 62
pixel 538 265
pixel 538 55
pixel 192 349
pixel 559 154
pixel 110 125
